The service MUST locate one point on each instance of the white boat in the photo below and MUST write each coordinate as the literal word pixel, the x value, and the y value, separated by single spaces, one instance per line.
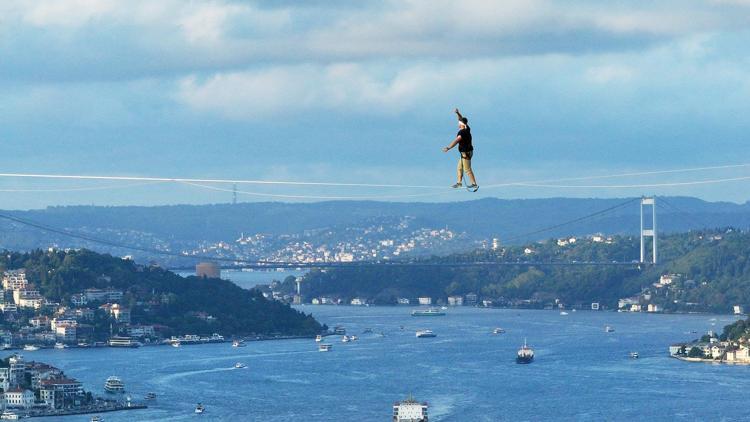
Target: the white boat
pixel 325 347
pixel 30 348
pixel 345 339
pixel 114 385
pixel 175 344
pixel 498 330
pixel 199 408
pixel 425 334
pixel 97 418
pixel 634 355
pixel 427 312
pixel 59 345
pixel 409 410
pixel 563 313
pixel 240 365
pixel 318 338
pixel 150 396
pixel 353 338
pixel 238 343
pixel 608 329
pixel 8 415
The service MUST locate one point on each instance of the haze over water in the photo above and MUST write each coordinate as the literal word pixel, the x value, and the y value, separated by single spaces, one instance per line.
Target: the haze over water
pixel 466 373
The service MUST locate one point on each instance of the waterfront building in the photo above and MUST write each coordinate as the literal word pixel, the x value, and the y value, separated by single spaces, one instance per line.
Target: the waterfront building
pixel 471 299
pixel 652 307
pixel 208 270
pixel 403 301
pixel 141 331
pixel 357 301
pixel 738 310
pixel 315 301
pixel 19 398
pixel 627 302
pixel 741 355
pixel 60 392
pixel 425 300
pixel 455 300
pixel 65 333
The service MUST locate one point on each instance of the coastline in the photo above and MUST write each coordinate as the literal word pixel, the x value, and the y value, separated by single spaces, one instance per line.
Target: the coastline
pixel 703 360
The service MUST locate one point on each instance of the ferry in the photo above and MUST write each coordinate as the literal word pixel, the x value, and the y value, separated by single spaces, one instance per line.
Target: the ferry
pixel 150 396
pixel 325 347
pixel 427 312
pixel 122 341
pixel 609 329
pixel 114 385
pixel 425 334
pixel 30 348
pixel 238 343
pixel 410 410
pixel 498 330
pixel 634 355
pixel 240 365
pixel 59 345
pixel 525 354
pixel 199 408
pixel 8 415
pixel 318 338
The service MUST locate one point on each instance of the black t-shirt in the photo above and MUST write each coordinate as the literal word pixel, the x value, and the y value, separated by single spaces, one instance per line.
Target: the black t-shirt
pixel 464 145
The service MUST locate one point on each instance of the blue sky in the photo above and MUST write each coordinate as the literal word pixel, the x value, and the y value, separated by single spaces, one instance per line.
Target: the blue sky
pixel 364 92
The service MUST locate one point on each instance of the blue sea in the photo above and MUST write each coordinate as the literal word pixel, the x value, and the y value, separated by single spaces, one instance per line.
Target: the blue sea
pixel 465 374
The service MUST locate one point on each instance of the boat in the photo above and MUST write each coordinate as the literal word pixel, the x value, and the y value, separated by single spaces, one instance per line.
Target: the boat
pixel 353 338
pixel 427 312
pixel 114 385
pixel 498 330
pixel 240 365
pixel 238 343
pixel 609 329
pixel 175 344
pixel 8 415
pixel 59 345
pixel 634 355
pixel 425 334
pixel 410 410
pixel 525 354
pixel 97 418
pixel 122 341
pixel 325 347
pixel 339 330
pixel 345 339
pixel 563 313
pixel 6 346
pixel 199 408
pixel 150 396
pixel 318 338
pixel 30 348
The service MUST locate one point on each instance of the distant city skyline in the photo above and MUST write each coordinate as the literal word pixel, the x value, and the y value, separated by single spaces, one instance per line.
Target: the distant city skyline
pixel 364 92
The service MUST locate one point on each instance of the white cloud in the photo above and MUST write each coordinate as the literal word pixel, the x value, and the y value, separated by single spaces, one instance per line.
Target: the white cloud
pixel 609 73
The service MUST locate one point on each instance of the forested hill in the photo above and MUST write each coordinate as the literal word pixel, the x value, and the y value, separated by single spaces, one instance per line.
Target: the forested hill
pixel 158 296
pixel 484 218
pixel 711 268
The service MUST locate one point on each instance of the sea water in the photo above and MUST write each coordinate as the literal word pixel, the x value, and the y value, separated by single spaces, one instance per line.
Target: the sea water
pixel 466 373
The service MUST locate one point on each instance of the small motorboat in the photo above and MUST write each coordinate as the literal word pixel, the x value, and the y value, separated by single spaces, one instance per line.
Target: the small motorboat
pixel 238 343
pixel 318 338
pixel 609 329
pixel 634 355
pixel 240 365
pixel 150 396
pixel 345 339
pixel 97 418
pixel 498 330
pixel 199 408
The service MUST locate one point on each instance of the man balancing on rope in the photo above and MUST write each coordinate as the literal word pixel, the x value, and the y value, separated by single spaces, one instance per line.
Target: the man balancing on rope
pixel 463 140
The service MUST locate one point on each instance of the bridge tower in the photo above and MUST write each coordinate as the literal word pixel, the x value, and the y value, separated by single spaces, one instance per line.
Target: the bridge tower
pixel 645 202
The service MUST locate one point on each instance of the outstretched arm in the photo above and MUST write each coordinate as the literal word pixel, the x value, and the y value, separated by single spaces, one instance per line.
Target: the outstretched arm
pixel 458 113
pixel 453 144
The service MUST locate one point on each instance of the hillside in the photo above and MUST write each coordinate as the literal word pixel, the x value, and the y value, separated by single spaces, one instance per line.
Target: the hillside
pixel 156 296
pixel 708 271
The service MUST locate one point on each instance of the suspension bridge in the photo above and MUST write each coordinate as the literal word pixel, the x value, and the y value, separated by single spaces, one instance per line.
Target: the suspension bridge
pixel 648 206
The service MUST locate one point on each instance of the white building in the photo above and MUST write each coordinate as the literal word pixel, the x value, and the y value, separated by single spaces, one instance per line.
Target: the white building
pixel 65 333
pixel 357 301
pixel 120 313
pixel 455 300
pixel 738 310
pixel 652 307
pixel 425 300
pixel 19 398
pixel 403 301
pixel 15 280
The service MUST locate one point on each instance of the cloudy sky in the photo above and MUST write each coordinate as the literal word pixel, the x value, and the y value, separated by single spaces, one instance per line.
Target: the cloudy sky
pixel 363 92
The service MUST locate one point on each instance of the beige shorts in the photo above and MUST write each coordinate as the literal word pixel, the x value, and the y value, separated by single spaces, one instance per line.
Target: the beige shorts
pixel 464 162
